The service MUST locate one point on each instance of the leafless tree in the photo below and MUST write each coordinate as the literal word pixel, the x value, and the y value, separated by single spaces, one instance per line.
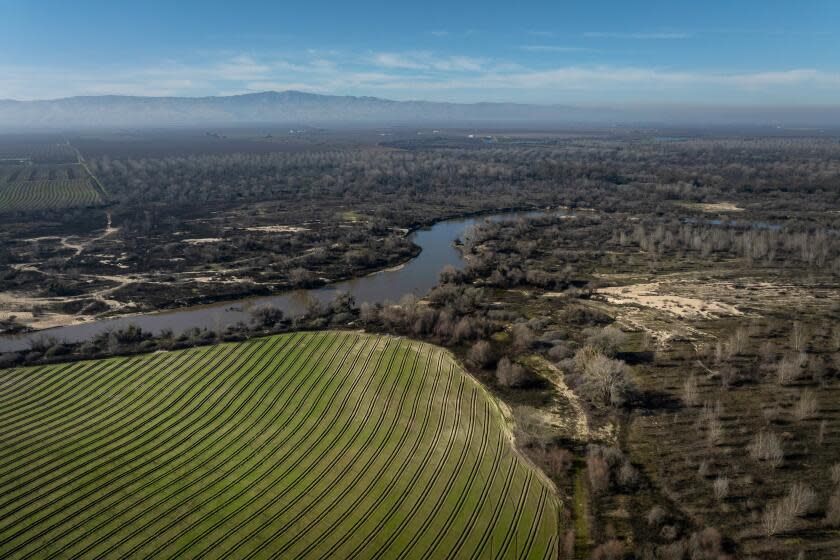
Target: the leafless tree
pixel 690 392
pixel 766 446
pixel 482 353
pixel 509 374
pixel 721 488
pixel 799 336
pixel 807 405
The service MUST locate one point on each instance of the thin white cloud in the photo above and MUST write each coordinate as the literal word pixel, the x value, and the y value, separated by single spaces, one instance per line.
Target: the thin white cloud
pixel 638 36
pixel 426 61
pixel 552 48
pixel 241 67
pixel 393 60
pixel 422 74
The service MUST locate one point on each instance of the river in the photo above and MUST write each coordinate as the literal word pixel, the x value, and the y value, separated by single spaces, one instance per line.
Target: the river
pixel 416 277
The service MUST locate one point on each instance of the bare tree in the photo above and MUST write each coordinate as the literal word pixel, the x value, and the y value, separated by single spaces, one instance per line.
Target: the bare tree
pixel 607 340
pixel 799 336
pixel 766 446
pixel 482 353
pixel 599 474
pixel 789 368
pixel 832 511
pixel 690 393
pixel 721 488
pixel 603 379
pixel 780 517
pixel 509 374
pixel 806 406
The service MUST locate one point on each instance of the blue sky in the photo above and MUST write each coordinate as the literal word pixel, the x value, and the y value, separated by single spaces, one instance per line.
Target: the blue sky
pixel 593 52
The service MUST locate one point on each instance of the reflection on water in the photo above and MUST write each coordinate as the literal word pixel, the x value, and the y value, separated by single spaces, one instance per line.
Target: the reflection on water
pixel 417 277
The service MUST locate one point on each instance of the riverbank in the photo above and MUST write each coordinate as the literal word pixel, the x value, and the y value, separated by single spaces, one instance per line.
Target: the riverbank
pixel 415 276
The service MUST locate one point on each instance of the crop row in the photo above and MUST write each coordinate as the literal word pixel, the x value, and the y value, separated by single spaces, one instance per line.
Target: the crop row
pixel 310 445
pixel 47 194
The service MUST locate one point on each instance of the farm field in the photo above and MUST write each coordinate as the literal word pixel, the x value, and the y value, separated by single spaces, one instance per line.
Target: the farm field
pixel 306 445
pixel 46 187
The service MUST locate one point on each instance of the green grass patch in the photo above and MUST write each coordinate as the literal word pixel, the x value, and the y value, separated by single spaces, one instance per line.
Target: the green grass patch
pixel 305 445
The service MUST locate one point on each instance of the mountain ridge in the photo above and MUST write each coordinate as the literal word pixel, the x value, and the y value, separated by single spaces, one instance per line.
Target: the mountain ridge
pixel 298 107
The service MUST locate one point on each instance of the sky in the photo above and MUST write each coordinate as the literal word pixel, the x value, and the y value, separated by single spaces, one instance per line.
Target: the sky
pixel 596 52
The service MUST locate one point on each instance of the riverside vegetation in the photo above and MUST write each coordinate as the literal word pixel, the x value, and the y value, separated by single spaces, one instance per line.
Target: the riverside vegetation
pixel 668 348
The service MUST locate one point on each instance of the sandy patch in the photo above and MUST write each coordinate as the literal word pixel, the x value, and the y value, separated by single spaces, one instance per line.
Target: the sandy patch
pixel 277 229
pixel 217 280
pixel 44 320
pixel 555 295
pixel 650 295
pixel 391 269
pixel 566 413
pixel 202 240
pixel 713 207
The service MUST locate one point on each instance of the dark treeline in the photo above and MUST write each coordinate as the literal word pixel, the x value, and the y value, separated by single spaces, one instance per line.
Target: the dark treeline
pixel 611 175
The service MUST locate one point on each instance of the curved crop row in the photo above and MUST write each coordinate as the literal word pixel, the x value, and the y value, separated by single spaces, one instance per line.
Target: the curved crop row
pixel 309 445
pixel 43 194
pixel 232 475
pixel 395 473
pixel 70 497
pixel 389 447
pixel 175 469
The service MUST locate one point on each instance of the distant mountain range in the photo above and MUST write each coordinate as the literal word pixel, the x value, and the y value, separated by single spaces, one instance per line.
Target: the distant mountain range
pixel 293 107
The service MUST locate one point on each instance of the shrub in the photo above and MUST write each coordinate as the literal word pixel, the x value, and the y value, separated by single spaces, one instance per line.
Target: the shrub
pixel 530 429
pixel 789 368
pixel 806 406
pixel 628 476
pixel 832 511
pixel 801 499
pixel 607 340
pixel 766 446
pixel 656 516
pixel 523 337
pixel 266 316
pixel 610 550
pixel 721 488
pixel 560 351
pixel 710 421
pixel 705 544
pixel 738 341
pixel 9 359
pixel 603 379
pixel 799 337
pixel 56 350
pixel 690 393
pixel 821 432
pixel 835 473
pixel 555 461
pixel 714 431
pixel 482 353
pixel 776 520
pixel 781 517
pixel 509 374
pixel 569 544
pixel 599 474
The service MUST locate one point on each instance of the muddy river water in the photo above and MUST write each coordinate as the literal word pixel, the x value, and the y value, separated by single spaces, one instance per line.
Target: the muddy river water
pixel 416 277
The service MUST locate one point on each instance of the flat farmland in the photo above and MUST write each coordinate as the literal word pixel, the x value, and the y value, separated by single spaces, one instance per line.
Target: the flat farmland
pixel 307 445
pixel 46 187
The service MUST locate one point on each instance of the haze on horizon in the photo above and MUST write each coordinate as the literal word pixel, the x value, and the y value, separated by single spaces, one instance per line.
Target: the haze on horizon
pixel 744 54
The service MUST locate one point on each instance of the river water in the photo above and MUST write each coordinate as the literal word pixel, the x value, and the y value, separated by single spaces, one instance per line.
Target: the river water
pixel 416 277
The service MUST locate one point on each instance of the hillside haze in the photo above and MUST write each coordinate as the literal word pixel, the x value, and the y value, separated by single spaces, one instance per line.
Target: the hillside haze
pixel 276 107
pixel 299 107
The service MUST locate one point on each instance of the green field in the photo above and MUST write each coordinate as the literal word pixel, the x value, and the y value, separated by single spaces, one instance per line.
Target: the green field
pixel 308 445
pixel 39 188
